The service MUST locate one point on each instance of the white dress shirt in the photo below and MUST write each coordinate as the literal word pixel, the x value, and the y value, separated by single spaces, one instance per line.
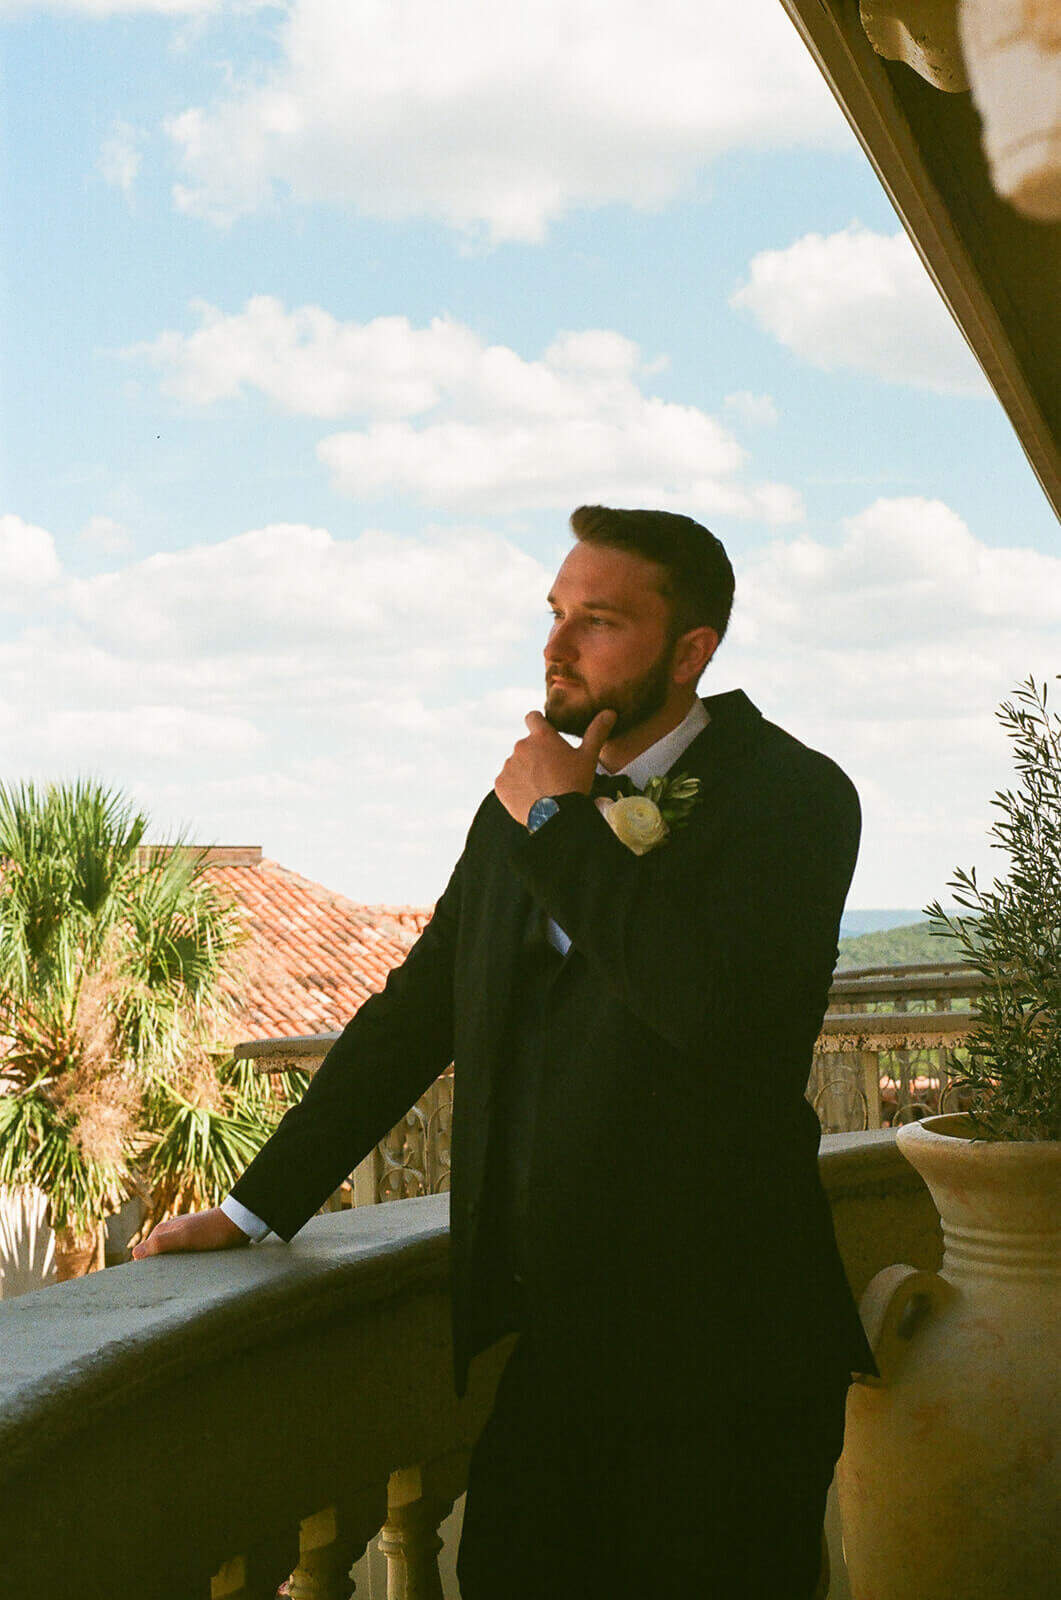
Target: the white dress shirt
pixel 651 763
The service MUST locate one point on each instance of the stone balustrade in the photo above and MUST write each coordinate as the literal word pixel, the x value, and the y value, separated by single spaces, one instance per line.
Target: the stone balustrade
pixel 209 1425
pixel 202 1427
pixel 884 1052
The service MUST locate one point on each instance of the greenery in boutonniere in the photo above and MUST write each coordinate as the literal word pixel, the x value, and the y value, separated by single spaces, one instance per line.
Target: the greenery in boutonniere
pixel 675 797
pixel 1011 935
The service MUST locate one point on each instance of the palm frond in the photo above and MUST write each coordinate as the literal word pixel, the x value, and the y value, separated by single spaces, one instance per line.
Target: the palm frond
pixel 112 957
pixel 196 1151
pixel 39 1146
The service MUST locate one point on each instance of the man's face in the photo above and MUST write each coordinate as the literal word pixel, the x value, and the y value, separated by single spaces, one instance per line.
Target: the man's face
pixel 610 646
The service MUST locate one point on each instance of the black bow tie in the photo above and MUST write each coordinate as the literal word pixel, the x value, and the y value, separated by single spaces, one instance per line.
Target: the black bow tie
pixel 611 786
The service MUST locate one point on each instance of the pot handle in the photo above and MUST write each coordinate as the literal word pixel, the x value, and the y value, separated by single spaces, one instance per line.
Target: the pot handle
pixel 895 1304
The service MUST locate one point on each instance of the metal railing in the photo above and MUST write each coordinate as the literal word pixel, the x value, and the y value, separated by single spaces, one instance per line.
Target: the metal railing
pixel 885 1052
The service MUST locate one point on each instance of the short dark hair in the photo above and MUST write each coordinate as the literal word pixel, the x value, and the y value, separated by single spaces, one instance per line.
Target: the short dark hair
pixel 698 575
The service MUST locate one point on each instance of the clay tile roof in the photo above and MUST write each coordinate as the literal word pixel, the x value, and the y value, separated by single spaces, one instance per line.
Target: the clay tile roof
pixel 312 956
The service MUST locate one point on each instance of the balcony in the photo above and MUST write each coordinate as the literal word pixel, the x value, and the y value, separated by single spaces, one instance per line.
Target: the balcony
pixel 207 1426
pixel 218 1426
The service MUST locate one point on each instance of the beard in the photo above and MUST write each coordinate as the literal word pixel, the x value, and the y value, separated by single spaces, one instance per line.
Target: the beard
pixel 634 702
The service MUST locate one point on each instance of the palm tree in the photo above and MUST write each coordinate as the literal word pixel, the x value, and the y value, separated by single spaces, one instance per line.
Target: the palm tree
pixel 114 959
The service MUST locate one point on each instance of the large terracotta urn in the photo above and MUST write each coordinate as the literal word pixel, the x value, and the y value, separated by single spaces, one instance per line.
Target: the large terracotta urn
pixel 949 1481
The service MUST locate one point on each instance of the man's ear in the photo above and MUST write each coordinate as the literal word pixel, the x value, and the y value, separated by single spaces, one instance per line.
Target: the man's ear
pixel 692 652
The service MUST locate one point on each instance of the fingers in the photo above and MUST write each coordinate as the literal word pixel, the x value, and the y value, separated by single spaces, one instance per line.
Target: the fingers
pixel 163 1238
pixel 596 735
pixel 534 720
pixel 204 1230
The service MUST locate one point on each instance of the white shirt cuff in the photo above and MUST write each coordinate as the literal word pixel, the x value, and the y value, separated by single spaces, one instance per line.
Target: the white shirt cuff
pixel 252 1226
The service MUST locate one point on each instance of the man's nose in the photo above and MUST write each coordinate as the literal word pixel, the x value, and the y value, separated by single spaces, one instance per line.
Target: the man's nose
pixel 560 645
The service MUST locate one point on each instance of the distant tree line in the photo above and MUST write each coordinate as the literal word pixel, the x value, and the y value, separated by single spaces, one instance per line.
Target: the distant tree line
pixel 896 947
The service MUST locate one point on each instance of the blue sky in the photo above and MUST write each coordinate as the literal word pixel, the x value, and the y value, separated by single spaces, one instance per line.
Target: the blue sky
pixel 317 321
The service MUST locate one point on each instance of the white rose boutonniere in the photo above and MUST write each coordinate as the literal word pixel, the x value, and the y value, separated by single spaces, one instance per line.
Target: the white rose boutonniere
pixel 636 822
pixel 643 821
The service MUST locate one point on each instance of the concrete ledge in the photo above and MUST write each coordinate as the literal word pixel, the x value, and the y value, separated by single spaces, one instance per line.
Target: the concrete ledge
pixel 161 1418
pixel 69 1350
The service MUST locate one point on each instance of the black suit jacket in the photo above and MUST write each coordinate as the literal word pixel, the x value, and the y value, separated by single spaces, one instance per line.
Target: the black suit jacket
pixel 679 1245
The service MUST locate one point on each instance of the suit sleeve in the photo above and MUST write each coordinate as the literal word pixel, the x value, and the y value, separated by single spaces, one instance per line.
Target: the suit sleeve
pixel 384 1060
pixel 730 924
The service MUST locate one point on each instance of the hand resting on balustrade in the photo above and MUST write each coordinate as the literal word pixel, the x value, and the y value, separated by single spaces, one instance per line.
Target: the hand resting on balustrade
pixel 201 1230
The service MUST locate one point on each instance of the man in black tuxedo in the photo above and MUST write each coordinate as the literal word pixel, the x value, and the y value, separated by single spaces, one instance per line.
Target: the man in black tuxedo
pixel 634 1164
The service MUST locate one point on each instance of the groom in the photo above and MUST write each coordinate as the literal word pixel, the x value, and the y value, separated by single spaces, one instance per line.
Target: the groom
pixel 634 1164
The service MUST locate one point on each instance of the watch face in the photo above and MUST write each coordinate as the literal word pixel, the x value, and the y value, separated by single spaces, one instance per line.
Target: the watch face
pixel 541 811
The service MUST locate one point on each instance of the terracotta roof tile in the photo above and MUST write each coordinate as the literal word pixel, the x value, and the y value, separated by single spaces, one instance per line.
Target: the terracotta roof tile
pixel 312 957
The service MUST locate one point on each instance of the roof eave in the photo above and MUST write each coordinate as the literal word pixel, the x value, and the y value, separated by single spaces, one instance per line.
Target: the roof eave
pixel 997 271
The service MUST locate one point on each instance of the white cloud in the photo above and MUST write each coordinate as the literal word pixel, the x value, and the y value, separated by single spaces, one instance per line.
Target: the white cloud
pixel 154 732
pixel 28 562
pixel 500 117
pixel 119 156
pixel 908 577
pixel 891 650
pixel 310 363
pixel 754 410
pixel 647 452
pixel 346 702
pixel 105 534
pixel 493 431
pixel 863 301
pixel 458 597
pixel 334 696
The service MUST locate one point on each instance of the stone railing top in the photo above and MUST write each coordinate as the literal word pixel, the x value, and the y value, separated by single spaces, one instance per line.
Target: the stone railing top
pixel 893 1030
pixel 73 1348
pixel 952 979
pixel 870 1156
pixel 277 1053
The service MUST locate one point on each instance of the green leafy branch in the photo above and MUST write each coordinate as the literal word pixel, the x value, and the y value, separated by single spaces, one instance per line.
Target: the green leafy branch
pixel 1012 937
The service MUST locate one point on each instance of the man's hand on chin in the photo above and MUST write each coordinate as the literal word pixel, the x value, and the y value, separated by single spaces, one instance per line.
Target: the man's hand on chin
pixel 544 763
pixel 203 1230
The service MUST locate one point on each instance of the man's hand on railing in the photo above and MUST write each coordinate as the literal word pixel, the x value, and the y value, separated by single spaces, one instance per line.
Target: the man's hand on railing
pixel 202 1230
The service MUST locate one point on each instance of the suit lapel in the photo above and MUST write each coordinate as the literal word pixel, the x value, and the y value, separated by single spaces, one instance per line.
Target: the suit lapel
pixel 712 755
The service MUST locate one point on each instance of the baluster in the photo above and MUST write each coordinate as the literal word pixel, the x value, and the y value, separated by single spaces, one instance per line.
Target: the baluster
pixel 418 1499
pixel 324 1560
pixel 230 1583
pixel 256 1575
pixel 366 1179
pixel 870 1061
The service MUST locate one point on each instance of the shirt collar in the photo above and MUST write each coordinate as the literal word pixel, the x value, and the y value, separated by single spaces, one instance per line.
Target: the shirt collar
pixel 662 755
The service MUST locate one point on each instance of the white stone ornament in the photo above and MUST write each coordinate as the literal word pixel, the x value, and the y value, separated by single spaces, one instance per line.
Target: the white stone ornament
pixel 1012 52
pixel 923 34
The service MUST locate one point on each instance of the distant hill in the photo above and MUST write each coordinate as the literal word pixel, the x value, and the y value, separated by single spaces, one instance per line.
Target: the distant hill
pixel 854 922
pixel 892 947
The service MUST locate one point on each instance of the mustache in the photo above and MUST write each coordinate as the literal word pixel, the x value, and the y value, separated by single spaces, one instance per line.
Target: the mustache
pixel 568 677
